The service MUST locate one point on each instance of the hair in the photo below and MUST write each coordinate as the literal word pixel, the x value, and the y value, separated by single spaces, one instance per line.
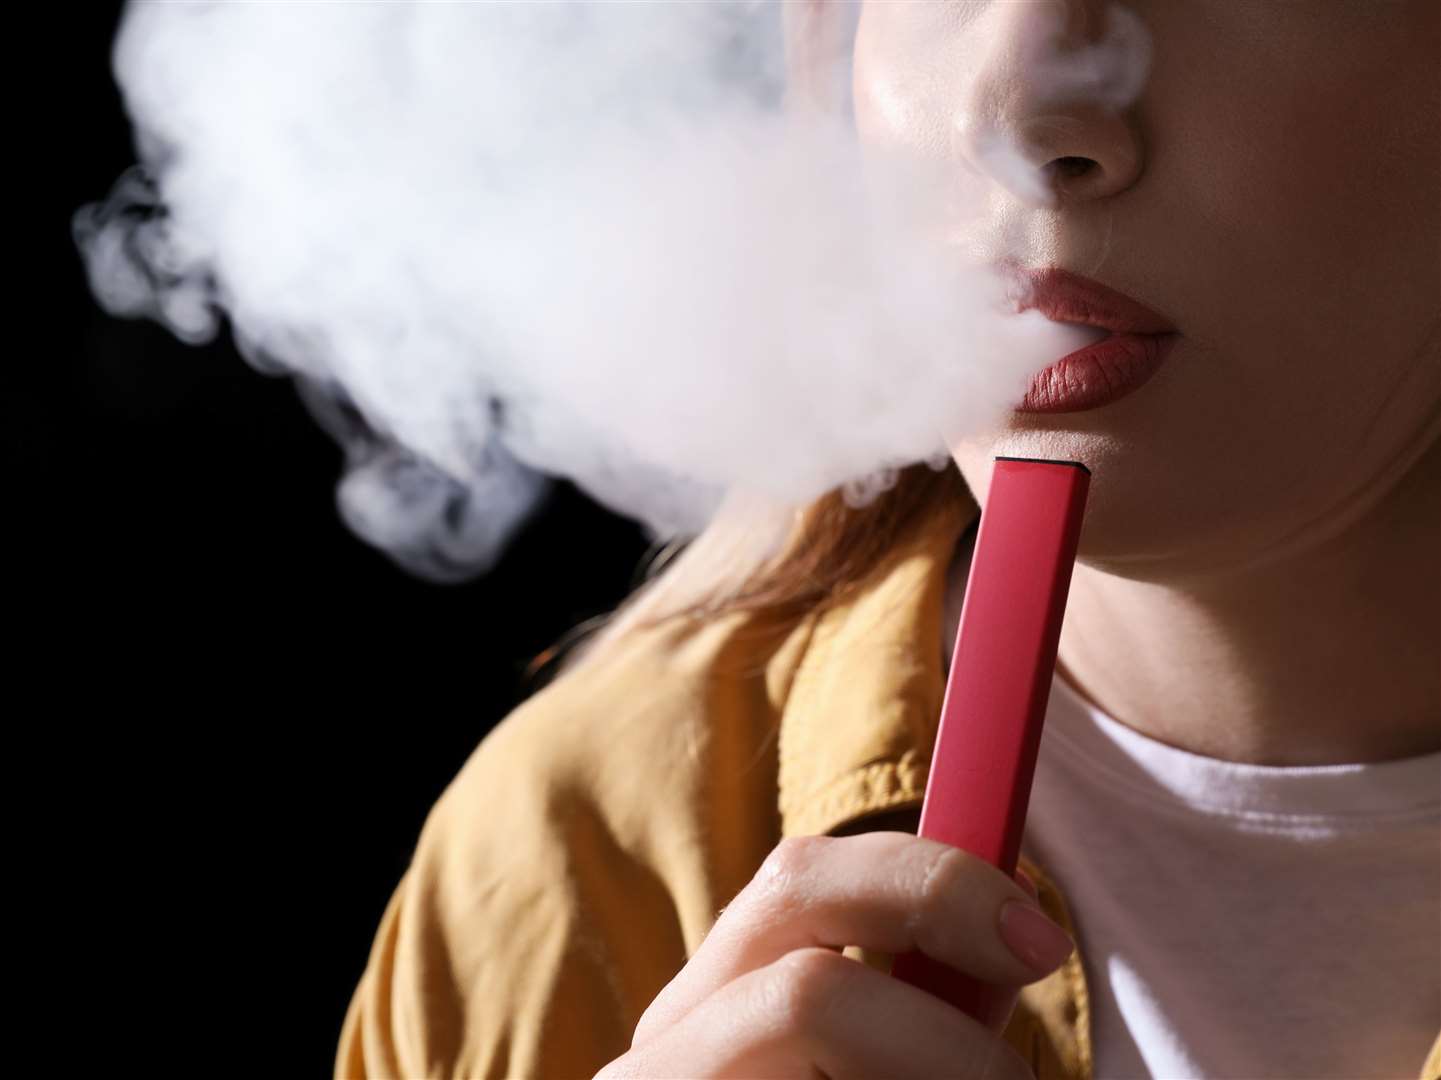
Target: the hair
pixel 748 559
pixel 754 557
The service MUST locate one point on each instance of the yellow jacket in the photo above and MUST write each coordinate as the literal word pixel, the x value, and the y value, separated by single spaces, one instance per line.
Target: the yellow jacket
pixel 586 847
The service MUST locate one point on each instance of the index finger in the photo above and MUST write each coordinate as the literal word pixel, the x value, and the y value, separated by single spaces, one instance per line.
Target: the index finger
pixel 886 891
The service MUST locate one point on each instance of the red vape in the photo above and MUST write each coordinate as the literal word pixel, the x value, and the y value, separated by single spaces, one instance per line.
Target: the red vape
pixel 1000 681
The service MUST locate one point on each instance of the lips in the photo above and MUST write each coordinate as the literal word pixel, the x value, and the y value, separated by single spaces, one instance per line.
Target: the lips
pixel 1106 370
pixel 1096 375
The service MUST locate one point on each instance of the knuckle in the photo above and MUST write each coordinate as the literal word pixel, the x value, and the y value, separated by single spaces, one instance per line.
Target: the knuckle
pixel 802 985
pixel 643 1028
pixel 788 860
pixel 948 871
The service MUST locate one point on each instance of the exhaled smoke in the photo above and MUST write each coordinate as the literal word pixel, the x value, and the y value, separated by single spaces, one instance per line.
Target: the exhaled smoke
pixel 496 243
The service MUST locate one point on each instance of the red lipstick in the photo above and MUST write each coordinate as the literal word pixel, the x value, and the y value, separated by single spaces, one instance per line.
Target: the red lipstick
pixel 1105 371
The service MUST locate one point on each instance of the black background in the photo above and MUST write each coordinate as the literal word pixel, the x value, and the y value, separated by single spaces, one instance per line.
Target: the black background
pixel 233 715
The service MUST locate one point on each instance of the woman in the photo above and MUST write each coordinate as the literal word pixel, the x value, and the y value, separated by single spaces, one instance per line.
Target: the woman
pixel 1234 814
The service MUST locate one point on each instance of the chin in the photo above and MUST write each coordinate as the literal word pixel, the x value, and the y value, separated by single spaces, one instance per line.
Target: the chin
pixel 1137 525
pixel 1101 452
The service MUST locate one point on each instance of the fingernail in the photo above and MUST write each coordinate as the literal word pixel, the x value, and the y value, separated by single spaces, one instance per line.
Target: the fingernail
pixel 1035 939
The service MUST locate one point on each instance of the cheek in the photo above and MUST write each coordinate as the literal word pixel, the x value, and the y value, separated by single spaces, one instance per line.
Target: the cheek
pixel 910 64
pixel 1306 179
pixel 1330 166
pixel 867 74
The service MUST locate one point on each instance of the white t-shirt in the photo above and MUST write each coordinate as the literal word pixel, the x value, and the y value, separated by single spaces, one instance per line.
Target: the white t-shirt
pixel 1243 922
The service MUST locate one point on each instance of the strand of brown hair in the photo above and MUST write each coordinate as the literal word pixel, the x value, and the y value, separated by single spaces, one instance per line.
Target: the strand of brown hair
pixel 836 548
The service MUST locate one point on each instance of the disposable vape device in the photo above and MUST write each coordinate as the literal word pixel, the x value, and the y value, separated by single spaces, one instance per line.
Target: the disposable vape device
pixel 1000 680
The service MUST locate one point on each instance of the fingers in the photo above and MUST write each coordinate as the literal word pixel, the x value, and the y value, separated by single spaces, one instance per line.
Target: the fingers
pixel 815 1012
pixel 890 892
pixel 1027 884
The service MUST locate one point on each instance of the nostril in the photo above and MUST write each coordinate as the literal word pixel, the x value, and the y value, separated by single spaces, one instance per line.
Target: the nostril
pixel 1071 167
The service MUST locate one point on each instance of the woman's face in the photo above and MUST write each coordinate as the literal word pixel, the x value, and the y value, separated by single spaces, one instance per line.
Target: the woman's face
pixel 1275 191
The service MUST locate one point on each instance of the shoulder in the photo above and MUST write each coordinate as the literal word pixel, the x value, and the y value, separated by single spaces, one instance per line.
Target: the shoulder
pixel 578 858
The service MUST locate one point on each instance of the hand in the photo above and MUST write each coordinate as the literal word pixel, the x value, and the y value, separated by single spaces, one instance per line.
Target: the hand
pixel 768 993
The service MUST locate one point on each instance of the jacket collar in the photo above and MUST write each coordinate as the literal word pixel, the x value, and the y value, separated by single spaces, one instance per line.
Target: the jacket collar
pixel 859 723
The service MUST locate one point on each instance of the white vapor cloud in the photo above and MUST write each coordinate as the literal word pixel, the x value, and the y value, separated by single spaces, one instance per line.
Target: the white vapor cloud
pixel 499 243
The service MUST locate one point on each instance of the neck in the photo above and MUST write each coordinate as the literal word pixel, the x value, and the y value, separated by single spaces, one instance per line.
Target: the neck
pixel 1326 657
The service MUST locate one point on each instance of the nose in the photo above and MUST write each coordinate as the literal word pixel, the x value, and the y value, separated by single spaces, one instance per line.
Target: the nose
pixel 1048 114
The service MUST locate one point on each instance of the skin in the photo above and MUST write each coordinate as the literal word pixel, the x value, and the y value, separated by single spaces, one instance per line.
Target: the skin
pixel 1259 576
pixel 769 992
